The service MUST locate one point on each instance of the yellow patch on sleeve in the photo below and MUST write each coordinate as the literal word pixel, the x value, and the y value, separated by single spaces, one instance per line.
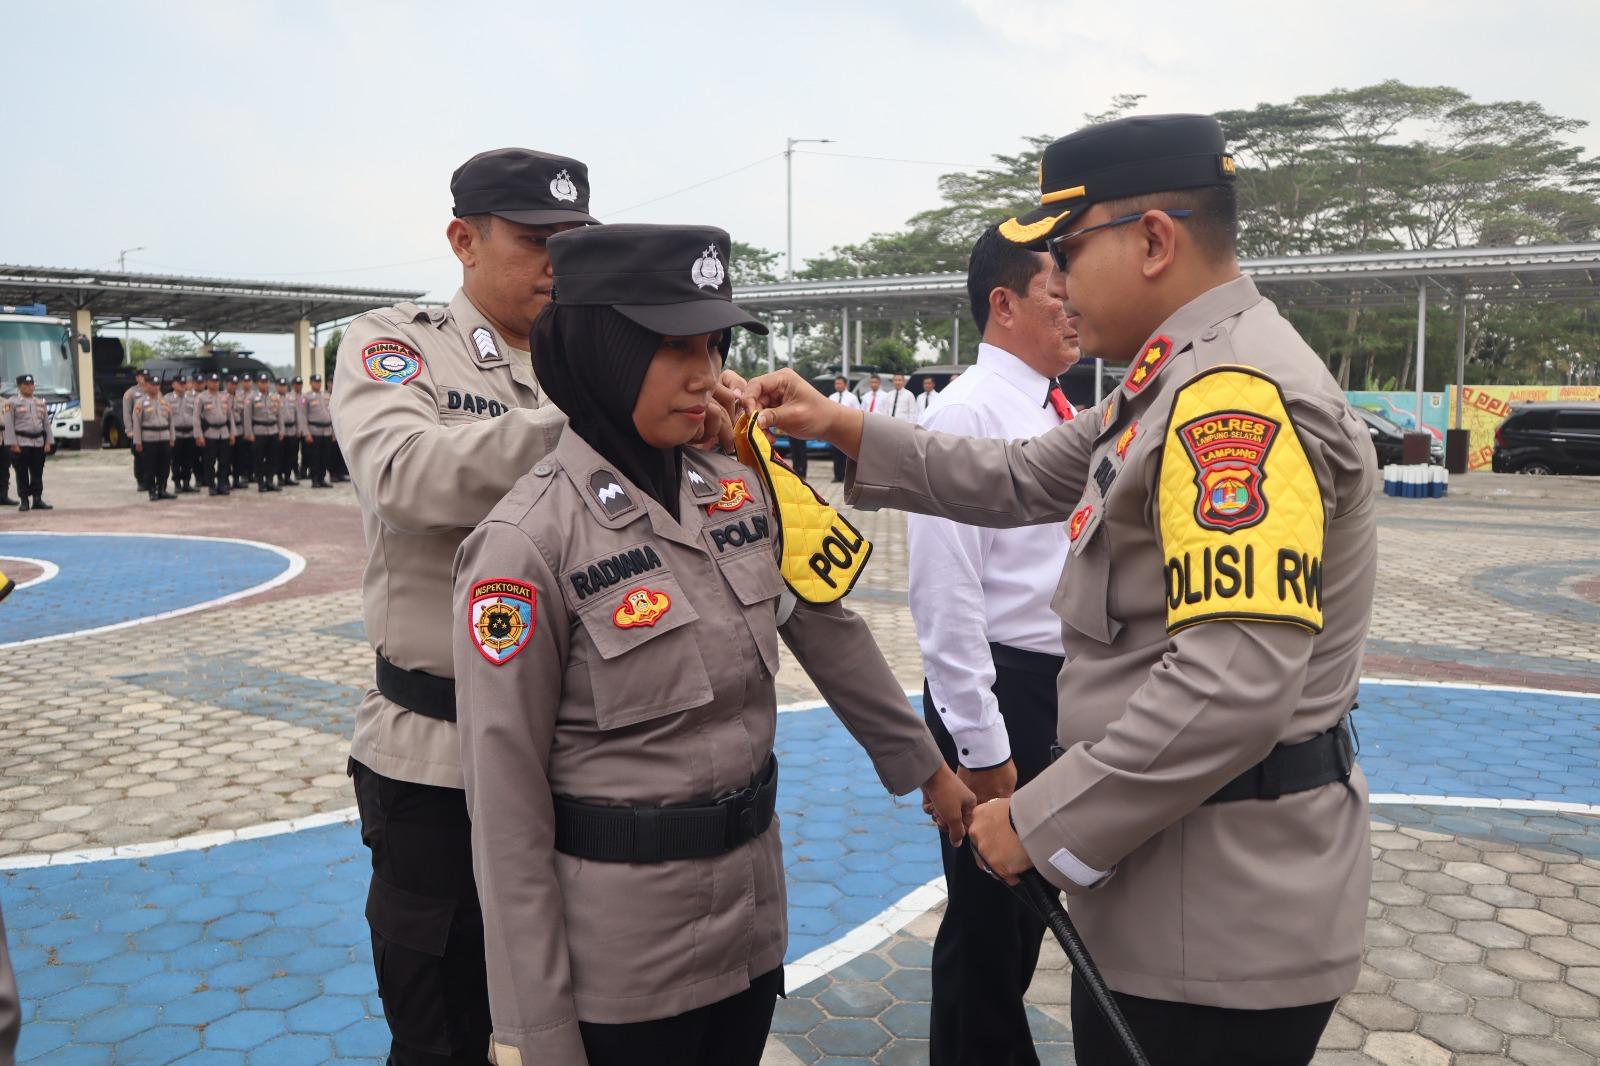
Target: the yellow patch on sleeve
pixel 1242 520
pixel 820 554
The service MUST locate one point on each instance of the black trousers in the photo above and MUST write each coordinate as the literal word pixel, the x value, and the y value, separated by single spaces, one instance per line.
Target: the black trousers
pixel 266 455
pixel 336 465
pixel 5 472
pixel 30 472
pixel 729 1032
pixel 988 942
pixel 157 464
pixel 839 459
pixel 243 459
pixel 1187 1034
pixel 427 928
pixel 797 456
pixel 138 464
pixel 216 462
pixel 183 458
pixel 288 449
pixel 317 458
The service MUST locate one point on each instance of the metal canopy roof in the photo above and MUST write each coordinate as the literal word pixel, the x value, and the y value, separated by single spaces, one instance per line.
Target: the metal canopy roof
pixel 201 305
pixel 1539 273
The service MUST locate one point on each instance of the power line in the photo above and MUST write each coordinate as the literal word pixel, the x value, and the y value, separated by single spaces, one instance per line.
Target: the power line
pixel 696 185
pixel 894 159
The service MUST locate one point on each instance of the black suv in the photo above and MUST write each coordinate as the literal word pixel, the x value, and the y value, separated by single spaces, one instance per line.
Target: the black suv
pixel 1388 439
pixel 1549 438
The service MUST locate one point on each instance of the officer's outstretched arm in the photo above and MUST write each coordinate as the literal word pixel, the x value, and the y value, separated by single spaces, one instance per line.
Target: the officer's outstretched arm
pixel 509 658
pixel 836 650
pixel 419 474
pixel 976 480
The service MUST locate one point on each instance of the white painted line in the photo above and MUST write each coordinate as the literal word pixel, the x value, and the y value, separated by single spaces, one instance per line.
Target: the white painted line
pixel 1396 681
pixel 1380 799
pixel 296 562
pixel 193 842
pixel 47 568
pixel 866 936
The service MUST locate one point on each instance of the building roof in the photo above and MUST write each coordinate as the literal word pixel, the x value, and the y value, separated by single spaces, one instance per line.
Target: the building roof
pixel 1538 273
pixel 200 305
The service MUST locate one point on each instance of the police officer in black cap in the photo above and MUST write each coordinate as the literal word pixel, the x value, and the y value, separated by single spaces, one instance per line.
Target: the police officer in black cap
pixel 1205 813
pixel 261 428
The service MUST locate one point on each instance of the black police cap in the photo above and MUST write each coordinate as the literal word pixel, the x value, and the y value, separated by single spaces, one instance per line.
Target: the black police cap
pixel 316 377
pixel 263 376
pixel 179 379
pixel 534 188
pixel 214 377
pixel 1115 160
pixel 297 380
pixel 24 379
pixel 672 280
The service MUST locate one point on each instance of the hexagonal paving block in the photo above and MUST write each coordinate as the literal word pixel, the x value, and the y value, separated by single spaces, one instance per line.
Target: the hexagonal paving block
pixel 1522 965
pixel 281 993
pixel 1491 934
pixel 854 999
pixel 201 1008
pixel 912 953
pixel 849 1036
pixel 295 1049
pixel 907 1020
pixel 1401 962
pixel 1533 922
pixel 1512 1017
pixel 795 1015
pixel 76 1003
pixel 1405 1049
pixel 1565 950
pixel 162 1044
pixel 326 1014
pixel 1561 1000
pixel 1446 947
pixel 1419 919
pixel 367 1039
pixel 115 1025
pixel 1430 997
pixel 868 967
pixel 911 985
pixel 1374 1012
pixel 1462 1034
pixel 1477 981
pixel 1538 1051
pixel 245 1030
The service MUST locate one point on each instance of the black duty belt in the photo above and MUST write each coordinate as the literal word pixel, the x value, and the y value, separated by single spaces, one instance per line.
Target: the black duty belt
pixel 1288 768
pixel 668 834
pixel 422 693
pixel 322 425
pixel 269 425
pixel 215 425
pixel 186 431
pixel 30 436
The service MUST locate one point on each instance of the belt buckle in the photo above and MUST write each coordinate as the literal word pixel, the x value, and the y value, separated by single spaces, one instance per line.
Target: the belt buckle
pixel 740 815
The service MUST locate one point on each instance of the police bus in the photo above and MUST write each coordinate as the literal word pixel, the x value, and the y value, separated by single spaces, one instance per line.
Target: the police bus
pixel 32 342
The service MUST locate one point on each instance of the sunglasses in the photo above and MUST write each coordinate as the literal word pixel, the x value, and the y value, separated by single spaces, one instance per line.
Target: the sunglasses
pixel 1057 246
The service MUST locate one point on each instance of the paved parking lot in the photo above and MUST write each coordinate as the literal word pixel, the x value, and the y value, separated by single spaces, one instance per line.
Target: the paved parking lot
pixel 182 883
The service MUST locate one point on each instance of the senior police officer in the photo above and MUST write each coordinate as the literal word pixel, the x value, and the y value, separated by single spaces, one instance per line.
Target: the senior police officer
pixel 438 413
pixel 152 435
pixel 319 430
pixel 1206 813
pixel 29 438
pixel 242 463
pixel 261 429
pixel 213 412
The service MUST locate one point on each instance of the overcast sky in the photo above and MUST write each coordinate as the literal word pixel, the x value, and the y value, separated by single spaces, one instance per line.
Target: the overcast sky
pixel 306 141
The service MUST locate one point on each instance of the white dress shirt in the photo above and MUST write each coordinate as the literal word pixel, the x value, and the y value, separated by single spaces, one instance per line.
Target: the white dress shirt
pixel 847 399
pixel 901 404
pixel 970 587
pixel 875 401
pixel 923 400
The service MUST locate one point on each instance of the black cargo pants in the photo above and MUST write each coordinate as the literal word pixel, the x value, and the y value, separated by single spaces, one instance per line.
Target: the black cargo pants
pixel 427 928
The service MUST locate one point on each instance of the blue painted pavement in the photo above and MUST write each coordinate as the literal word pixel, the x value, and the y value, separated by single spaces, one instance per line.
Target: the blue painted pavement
pixel 106 580
pixel 257 952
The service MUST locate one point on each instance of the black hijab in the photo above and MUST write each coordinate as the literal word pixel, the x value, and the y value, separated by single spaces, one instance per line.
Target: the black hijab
pixel 591 361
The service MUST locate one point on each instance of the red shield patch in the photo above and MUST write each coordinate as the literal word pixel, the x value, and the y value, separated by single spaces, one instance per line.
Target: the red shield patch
pixel 501 618
pixel 1228 449
pixel 1148 365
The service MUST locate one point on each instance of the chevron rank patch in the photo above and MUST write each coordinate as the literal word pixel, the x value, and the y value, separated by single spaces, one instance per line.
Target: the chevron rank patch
pixel 609 493
pixel 391 361
pixel 501 617
pixel 1242 520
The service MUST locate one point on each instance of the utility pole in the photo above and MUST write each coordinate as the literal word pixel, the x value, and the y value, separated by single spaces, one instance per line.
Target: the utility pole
pixel 127 336
pixel 122 257
pixel 788 167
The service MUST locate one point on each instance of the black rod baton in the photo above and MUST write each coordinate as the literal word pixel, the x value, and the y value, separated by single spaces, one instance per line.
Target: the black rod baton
pixel 1035 891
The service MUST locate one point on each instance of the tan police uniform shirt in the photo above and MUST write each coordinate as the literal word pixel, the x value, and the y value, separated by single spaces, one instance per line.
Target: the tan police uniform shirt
pixel 152 419
pixel 436 425
pixel 183 417
pixel 26 421
pixel 238 402
pixel 318 416
pixel 1222 543
pixel 129 395
pixel 291 420
pixel 646 679
pixel 213 413
pixel 261 417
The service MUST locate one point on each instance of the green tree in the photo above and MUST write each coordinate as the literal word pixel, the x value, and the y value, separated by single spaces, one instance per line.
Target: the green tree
pixel 139 352
pixel 174 346
pixel 330 353
pixel 752 265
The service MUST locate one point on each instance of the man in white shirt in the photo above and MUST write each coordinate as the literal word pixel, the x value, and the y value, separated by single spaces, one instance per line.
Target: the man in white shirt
pixel 925 397
pixel 991 649
pixel 902 404
pixel 875 401
pixel 842 395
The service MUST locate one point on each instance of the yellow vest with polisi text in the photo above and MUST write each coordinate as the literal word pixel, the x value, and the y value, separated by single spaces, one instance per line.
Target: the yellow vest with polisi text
pixel 820 554
pixel 1242 518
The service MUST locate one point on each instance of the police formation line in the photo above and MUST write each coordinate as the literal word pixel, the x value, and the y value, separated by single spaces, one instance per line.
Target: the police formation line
pixel 222 433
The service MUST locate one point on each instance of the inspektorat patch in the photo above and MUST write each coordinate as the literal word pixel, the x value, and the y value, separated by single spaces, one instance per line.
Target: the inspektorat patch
pixel 501 618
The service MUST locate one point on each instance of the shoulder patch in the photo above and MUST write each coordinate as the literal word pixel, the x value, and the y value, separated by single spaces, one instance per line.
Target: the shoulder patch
pixel 390 361
pixel 483 340
pixel 610 494
pixel 698 485
pixel 1242 521
pixel 1156 353
pixel 501 618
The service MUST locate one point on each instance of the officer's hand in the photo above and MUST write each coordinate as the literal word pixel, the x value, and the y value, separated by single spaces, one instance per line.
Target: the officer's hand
pixel 950 803
pixel 16 449
pixel 997 782
pixel 996 846
pixel 138 447
pixel 785 402
pixel 307 438
pixel 200 441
